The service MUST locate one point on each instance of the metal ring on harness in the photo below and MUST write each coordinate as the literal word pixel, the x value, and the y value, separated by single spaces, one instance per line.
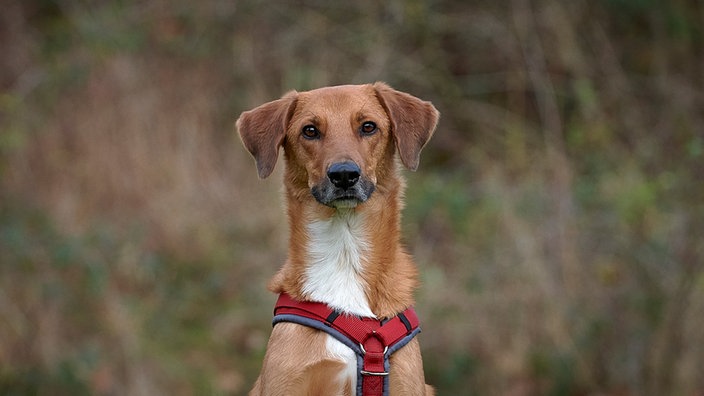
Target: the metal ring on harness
pixel 364 352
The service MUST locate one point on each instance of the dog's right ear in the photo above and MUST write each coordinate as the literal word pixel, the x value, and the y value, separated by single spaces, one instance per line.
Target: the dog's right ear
pixel 263 129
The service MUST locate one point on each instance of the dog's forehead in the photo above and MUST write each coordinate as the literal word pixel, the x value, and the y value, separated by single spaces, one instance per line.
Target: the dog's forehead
pixel 340 99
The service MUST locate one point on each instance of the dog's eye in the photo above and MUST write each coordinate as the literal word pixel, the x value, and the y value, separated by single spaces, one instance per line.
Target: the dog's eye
pixel 368 128
pixel 310 132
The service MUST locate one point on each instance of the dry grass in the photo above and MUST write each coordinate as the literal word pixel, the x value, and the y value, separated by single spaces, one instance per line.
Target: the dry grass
pixel 556 216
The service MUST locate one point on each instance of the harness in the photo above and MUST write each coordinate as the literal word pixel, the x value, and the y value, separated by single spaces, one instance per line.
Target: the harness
pixel 372 340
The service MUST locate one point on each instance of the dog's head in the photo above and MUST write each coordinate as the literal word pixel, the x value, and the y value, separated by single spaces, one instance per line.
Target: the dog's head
pixel 339 141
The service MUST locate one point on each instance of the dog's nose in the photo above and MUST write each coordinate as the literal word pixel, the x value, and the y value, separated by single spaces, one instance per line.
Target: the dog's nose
pixel 344 174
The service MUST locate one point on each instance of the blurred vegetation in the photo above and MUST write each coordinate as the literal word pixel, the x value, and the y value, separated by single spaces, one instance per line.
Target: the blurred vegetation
pixel 557 217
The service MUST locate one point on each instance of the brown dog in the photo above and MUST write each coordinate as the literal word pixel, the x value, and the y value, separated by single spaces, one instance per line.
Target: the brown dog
pixel 343 192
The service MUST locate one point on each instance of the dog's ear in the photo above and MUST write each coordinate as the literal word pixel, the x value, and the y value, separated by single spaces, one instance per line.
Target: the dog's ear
pixel 263 129
pixel 413 122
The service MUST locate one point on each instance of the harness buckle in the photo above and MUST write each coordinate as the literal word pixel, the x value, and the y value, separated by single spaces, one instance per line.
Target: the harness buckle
pixel 374 374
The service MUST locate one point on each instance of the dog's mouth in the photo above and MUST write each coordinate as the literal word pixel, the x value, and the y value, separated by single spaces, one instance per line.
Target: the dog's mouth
pixel 334 197
pixel 345 203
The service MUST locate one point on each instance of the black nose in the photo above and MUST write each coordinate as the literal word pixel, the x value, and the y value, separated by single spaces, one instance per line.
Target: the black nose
pixel 344 174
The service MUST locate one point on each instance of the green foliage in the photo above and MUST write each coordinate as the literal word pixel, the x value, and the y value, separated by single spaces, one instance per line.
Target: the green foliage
pixel 556 217
pixel 452 372
pixel 559 369
pixel 124 303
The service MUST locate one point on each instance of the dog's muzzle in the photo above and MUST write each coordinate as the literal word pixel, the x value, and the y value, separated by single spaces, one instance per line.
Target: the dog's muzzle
pixel 344 187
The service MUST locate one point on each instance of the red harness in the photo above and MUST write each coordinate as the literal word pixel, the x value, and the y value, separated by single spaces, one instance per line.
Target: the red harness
pixel 371 339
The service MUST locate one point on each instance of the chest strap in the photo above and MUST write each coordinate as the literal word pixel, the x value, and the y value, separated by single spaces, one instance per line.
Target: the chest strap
pixel 372 340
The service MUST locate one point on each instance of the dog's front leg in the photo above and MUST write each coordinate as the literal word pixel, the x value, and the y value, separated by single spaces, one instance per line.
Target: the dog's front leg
pixel 297 363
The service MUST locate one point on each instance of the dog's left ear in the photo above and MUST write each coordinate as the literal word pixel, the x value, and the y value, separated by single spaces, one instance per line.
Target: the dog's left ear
pixel 413 122
pixel 263 129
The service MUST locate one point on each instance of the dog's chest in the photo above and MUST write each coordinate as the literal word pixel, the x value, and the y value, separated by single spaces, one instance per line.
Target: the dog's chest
pixel 340 351
pixel 336 252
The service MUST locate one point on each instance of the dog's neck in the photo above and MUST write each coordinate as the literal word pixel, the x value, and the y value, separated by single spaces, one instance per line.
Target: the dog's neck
pixel 338 251
pixel 350 259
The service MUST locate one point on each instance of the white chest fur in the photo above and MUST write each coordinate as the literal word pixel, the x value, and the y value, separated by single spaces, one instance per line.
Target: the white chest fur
pixel 336 248
pixel 341 352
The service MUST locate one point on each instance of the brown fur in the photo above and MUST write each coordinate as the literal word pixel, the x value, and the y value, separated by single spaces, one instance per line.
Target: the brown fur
pixel 296 361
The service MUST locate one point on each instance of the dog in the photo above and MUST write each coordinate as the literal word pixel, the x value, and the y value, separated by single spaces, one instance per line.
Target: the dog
pixel 344 147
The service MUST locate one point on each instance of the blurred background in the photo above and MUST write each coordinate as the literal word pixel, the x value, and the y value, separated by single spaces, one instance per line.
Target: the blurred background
pixel 557 216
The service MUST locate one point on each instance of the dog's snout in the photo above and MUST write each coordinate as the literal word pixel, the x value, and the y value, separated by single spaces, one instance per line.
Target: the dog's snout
pixel 344 187
pixel 344 174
